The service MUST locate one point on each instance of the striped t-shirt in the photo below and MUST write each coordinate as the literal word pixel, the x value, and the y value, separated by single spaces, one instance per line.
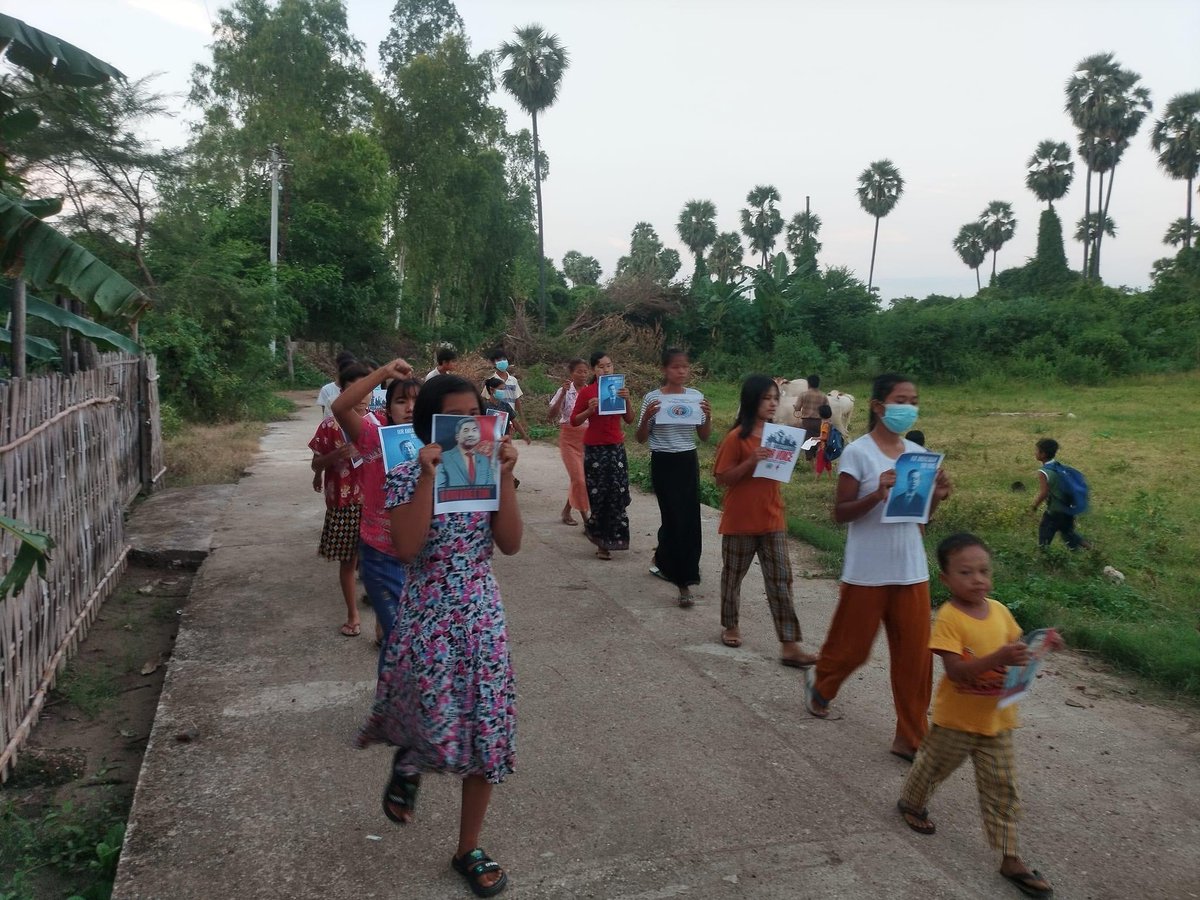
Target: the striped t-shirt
pixel 670 438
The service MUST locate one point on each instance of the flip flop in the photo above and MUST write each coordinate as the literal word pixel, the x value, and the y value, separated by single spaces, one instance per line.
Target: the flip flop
pixel 729 641
pixel 1022 881
pixel 907 757
pixel 686 600
pixel 925 827
pixel 810 697
pixel 802 663
pixel 603 554
pixel 349 630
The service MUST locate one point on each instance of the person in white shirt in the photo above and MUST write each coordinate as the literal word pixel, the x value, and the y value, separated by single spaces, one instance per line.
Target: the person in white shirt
pixel 447 362
pixel 511 393
pixel 885 575
pixel 330 392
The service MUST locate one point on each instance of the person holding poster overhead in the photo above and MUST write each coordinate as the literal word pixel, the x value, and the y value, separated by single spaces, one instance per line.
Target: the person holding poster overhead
pixel 885 576
pixel 446 697
pixel 752 523
pixel 675 470
pixel 605 467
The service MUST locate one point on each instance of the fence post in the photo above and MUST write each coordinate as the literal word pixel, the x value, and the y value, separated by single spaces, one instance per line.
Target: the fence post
pixel 145 427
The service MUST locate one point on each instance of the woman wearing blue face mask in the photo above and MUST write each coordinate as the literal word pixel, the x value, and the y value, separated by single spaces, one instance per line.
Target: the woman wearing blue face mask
pixel 885 577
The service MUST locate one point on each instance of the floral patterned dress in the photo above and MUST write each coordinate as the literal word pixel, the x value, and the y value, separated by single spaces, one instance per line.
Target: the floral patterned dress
pixel 446 693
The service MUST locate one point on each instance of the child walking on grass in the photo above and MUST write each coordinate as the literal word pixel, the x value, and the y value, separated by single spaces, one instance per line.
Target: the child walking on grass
pixel 334 457
pixel 821 462
pixel 977 638
pixel 752 523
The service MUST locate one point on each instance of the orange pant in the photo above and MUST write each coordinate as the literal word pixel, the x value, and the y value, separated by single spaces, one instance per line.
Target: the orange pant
pixel 904 610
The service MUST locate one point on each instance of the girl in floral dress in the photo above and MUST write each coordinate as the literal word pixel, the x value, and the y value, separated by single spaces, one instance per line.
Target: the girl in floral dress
pixel 446 697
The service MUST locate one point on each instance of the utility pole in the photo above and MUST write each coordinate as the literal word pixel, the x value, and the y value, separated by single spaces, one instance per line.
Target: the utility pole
pixel 275 164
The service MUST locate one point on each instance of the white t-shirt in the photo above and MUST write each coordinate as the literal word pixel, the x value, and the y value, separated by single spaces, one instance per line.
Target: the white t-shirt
pixel 325 398
pixel 433 373
pixel 878 554
pixel 511 392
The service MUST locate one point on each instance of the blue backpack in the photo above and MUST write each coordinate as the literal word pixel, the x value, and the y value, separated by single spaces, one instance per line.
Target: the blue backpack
pixel 1071 487
pixel 834 445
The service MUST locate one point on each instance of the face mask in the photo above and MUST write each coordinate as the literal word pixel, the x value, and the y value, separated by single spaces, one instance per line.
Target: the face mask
pixel 502 365
pixel 899 417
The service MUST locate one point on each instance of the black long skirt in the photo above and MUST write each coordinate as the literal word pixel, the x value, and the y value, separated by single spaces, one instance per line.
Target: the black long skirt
pixel 606 473
pixel 676 480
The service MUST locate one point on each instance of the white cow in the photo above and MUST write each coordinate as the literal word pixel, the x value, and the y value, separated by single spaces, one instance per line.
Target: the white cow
pixel 843 407
pixel 789 392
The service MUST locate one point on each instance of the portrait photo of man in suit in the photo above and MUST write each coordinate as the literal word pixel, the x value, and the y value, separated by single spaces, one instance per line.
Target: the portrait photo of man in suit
pixel 467 463
pixel 911 501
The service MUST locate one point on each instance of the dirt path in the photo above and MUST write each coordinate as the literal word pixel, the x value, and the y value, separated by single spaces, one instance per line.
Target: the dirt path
pixel 653 762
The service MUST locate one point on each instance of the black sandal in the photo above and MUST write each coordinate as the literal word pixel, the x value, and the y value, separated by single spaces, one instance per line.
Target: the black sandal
pixel 473 866
pixel 400 791
pixel 920 823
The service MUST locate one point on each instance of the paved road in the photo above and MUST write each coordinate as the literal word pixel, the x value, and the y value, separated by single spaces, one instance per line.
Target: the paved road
pixel 652 762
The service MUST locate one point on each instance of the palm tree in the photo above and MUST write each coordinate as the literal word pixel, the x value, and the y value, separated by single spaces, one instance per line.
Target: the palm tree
pixel 697 229
pixel 761 223
pixel 879 188
pixel 1107 106
pixel 971 249
pixel 725 255
pixel 1088 229
pixel 1050 171
pixel 1179 232
pixel 999 226
pixel 802 241
pixel 537 61
pixel 1176 140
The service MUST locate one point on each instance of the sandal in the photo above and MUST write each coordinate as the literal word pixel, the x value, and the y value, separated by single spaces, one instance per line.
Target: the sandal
pixel 730 637
pixel 814 706
pixel 1023 882
pixel 917 820
pixel 349 630
pixel 686 600
pixel 473 866
pixel 603 554
pixel 401 792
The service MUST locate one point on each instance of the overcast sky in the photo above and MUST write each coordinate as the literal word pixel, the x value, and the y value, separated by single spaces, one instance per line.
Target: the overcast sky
pixel 667 101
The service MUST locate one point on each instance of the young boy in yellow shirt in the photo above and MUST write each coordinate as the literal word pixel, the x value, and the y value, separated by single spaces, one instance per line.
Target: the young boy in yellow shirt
pixel 977 638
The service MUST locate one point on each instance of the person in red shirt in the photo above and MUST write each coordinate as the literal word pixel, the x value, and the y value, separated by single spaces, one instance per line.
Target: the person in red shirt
pixel 605 466
pixel 752 523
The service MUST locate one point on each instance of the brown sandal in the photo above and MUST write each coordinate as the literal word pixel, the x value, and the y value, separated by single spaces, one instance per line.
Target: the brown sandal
pixel 916 819
pixel 730 637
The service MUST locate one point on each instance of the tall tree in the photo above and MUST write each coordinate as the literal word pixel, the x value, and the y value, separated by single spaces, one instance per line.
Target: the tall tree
pixel 879 188
pixel 582 270
pixel 762 222
pixel 1176 140
pixel 417 26
pixel 536 63
pixel 802 243
pixel 1049 171
pixel 1089 228
pixel 648 257
pixel 1107 106
pixel 1179 232
pixel 725 256
pixel 999 225
pixel 697 228
pixel 971 247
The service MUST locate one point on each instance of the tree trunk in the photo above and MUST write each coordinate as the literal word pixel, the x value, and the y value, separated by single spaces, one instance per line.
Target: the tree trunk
pixel 537 185
pixel 874 243
pixel 978 285
pixel 1102 204
pixel 1087 211
pixel 64 338
pixel 1187 233
pixel 18 329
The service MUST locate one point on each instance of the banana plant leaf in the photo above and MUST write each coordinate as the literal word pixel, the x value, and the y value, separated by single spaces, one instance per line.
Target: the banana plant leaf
pixel 49 260
pixel 52 58
pixel 56 315
pixel 34 550
pixel 35 347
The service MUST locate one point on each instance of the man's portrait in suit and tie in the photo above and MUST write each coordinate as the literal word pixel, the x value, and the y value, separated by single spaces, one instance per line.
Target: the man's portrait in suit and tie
pixel 910 501
pixel 468 463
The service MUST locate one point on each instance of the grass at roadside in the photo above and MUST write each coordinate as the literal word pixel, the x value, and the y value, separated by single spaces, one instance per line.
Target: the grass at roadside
pixel 217 454
pixel 1130 439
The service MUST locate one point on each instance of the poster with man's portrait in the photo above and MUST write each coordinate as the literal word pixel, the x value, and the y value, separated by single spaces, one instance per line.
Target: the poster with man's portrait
pixel 610 403
pixel 399 444
pixel 468 477
pixel 912 495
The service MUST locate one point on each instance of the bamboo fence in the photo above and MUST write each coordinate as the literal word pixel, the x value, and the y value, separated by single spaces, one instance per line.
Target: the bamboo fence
pixel 74 452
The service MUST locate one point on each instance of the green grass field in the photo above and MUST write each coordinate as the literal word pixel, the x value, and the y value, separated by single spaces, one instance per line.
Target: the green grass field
pixel 1133 440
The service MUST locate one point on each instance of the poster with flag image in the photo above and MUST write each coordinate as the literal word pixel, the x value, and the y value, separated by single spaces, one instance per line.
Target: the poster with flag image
pixel 468 476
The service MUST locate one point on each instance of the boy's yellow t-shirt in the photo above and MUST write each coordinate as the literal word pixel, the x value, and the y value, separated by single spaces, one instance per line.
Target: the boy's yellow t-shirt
pixel 972 707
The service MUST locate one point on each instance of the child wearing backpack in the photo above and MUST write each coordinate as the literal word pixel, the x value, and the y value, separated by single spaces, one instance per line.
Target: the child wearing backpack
pixel 1065 493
